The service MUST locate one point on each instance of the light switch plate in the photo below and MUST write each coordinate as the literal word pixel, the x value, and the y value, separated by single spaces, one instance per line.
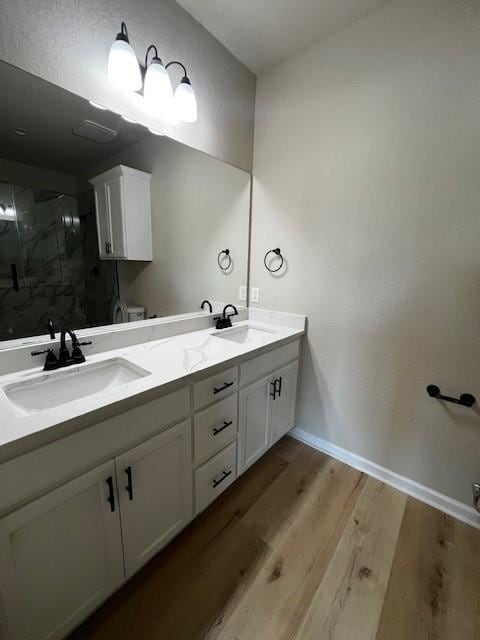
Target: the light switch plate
pixel 255 294
pixel 242 293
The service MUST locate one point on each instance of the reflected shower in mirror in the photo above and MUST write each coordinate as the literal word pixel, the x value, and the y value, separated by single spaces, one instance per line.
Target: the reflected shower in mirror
pixel 102 221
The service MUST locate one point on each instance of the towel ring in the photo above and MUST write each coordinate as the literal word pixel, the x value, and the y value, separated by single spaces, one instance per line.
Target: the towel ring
pixel 278 253
pixel 220 260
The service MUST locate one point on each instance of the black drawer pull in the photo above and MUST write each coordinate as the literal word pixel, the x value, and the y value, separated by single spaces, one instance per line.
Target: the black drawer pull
pixel 225 475
pixel 225 386
pixel 111 494
pixel 225 425
pixel 129 487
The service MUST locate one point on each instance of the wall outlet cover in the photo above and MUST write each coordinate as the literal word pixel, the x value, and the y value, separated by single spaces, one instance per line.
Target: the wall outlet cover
pixel 255 294
pixel 242 293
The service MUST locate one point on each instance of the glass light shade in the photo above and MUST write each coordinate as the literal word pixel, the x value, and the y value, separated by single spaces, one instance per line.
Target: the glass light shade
pixel 185 103
pixel 157 88
pixel 123 68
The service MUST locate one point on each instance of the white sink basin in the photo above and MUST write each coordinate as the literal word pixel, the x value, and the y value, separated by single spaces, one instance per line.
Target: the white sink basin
pixel 245 333
pixel 65 385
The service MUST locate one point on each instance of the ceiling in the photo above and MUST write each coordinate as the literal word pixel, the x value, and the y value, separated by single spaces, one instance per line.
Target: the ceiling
pixel 49 115
pixel 263 32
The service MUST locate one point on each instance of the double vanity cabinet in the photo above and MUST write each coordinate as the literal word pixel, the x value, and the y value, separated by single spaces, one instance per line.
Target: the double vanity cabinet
pixel 86 511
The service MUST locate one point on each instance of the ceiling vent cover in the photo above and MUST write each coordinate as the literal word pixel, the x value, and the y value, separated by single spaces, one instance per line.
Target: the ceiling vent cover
pixel 94 131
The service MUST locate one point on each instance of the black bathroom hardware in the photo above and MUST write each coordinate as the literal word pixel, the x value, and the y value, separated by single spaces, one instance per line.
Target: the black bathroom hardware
pixel 225 475
pixel 51 328
pixel 13 270
pixel 466 399
pixel 276 389
pixel 278 253
pixel 222 388
pixel 223 321
pixel 64 358
pixel 476 495
pixel 111 493
pixel 51 361
pixel 202 306
pixel 224 426
pixel 129 487
pixel 221 260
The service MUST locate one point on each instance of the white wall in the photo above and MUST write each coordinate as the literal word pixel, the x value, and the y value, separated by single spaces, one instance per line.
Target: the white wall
pixel 67 43
pixel 367 175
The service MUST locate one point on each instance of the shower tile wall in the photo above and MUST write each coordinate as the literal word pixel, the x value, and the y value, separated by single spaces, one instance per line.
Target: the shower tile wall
pixel 52 241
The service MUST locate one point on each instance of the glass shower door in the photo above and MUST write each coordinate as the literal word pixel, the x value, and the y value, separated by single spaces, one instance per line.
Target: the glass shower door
pixel 12 293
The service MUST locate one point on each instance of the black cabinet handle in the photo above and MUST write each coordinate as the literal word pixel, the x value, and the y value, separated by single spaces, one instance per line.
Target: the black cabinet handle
pixel 129 487
pixel 225 425
pixel 225 475
pixel 280 386
pixel 273 393
pixel 225 386
pixel 13 269
pixel 111 494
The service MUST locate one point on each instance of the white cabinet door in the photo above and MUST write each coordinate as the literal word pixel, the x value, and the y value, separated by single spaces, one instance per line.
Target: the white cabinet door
pixel 104 230
pixel 155 489
pixel 254 422
pixel 283 406
pixel 60 557
pixel 116 214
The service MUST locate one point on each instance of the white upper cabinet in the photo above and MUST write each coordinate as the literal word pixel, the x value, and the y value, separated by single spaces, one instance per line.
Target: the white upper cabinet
pixel 124 217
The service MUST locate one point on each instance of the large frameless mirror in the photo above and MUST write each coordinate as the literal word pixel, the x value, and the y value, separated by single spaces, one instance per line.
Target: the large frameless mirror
pixel 103 221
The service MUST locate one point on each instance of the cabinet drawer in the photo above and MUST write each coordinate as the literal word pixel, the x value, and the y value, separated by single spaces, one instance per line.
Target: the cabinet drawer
pixel 214 428
pixel 215 476
pixel 215 387
pixel 258 367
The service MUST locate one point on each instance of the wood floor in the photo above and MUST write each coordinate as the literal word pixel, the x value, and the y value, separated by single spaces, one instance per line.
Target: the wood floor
pixel 303 547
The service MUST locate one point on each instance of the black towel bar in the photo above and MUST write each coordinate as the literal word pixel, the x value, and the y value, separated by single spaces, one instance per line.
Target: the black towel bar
pixel 466 399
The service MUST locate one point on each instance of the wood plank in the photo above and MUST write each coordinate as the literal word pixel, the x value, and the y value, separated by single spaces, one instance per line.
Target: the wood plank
pixel 273 606
pixel 288 448
pixel 279 505
pixel 434 589
pixel 349 600
pixel 158 605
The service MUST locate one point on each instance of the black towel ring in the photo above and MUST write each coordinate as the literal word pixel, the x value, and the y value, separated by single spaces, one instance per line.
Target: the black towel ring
pixel 278 253
pixel 220 260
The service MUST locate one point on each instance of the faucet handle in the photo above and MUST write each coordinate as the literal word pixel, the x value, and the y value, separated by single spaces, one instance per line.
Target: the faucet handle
pixel 51 361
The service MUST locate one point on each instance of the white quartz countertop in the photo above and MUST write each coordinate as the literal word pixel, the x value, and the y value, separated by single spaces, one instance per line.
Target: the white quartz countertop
pixel 168 360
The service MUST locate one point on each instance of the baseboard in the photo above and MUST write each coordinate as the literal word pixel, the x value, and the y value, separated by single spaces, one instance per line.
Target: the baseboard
pixel 440 501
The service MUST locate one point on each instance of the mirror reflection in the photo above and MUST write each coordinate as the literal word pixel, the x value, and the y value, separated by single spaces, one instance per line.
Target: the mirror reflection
pixel 103 221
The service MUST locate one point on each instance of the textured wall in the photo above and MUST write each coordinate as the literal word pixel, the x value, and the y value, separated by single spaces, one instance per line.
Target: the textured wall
pixel 67 43
pixel 366 163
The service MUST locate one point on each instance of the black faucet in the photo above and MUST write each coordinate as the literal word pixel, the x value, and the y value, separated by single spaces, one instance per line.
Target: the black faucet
pixel 65 359
pixel 51 328
pixel 202 306
pixel 223 321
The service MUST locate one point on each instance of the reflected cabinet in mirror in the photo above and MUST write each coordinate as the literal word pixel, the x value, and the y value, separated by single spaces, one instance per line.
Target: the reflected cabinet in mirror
pixel 102 221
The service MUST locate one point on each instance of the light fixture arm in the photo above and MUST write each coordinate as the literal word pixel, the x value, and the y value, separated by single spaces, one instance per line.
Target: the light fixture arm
pixel 152 47
pixel 123 35
pixel 169 64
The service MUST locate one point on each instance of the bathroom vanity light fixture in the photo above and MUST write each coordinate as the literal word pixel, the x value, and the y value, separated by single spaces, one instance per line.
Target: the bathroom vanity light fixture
pixel 157 88
pixel 125 72
pixel 123 68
